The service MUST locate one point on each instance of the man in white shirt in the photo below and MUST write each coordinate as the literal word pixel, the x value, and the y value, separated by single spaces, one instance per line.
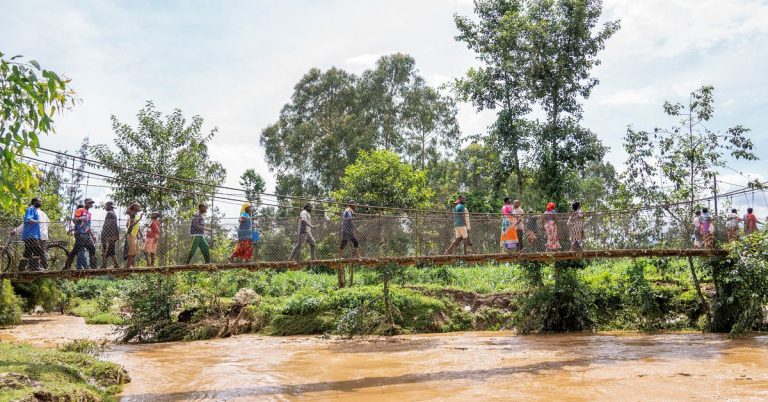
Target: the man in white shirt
pixel 305 233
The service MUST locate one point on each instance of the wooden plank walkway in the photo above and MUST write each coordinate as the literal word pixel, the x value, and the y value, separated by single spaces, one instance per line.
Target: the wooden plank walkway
pixel 425 261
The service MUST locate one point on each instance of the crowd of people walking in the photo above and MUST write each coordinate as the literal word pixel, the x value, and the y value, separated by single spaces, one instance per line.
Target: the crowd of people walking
pixel 519 231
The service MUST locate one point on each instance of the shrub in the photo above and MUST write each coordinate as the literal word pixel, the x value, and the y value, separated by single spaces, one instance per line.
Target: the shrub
pixel 640 300
pixel 10 305
pixel 150 302
pixel 565 305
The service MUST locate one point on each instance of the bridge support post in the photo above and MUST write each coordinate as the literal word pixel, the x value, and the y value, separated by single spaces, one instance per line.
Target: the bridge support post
pixel 341 275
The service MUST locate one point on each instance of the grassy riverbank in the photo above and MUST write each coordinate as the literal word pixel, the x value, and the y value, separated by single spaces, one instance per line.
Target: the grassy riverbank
pixel 66 374
pixel 610 295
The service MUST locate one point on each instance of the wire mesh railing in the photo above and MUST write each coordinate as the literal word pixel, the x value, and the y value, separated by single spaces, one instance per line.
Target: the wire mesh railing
pixel 408 234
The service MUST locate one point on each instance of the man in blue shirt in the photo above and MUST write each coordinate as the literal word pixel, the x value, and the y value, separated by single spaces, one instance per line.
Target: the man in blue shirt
pixel 460 227
pixel 30 234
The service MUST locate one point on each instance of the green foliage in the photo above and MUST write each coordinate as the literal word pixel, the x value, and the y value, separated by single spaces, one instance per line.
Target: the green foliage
pixel 640 298
pixel 161 146
pixel 85 346
pixel 333 115
pixel 380 178
pixel 668 166
pixel 10 305
pixel 51 294
pixel 536 52
pixel 254 185
pixel 30 96
pixel 742 284
pixel 565 305
pixel 150 303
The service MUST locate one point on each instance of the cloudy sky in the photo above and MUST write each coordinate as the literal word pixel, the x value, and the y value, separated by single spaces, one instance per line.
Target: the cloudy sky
pixel 235 63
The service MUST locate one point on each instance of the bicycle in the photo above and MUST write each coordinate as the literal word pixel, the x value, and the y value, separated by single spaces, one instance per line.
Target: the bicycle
pixel 12 259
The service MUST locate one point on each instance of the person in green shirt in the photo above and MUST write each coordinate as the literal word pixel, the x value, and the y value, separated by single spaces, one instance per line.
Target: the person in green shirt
pixel 460 227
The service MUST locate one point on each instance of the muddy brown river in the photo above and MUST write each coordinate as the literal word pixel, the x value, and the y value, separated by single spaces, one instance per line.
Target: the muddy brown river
pixel 459 366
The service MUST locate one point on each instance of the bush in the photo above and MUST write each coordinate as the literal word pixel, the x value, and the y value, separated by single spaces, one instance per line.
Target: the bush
pixel 10 305
pixel 742 284
pixel 85 346
pixel 51 294
pixel 640 300
pixel 150 302
pixel 565 305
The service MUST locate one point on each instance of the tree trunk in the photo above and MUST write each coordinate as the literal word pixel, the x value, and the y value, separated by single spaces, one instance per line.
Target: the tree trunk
pixel 703 301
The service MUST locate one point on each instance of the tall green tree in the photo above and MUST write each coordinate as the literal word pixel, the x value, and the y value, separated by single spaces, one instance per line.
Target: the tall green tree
pixel 411 118
pixel 318 133
pixel 564 40
pixel 675 166
pixel 536 52
pixel 497 38
pixel 334 115
pixel 29 98
pixel 163 147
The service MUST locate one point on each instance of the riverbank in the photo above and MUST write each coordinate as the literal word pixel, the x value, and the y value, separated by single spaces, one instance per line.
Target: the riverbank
pixel 46 358
pixel 455 366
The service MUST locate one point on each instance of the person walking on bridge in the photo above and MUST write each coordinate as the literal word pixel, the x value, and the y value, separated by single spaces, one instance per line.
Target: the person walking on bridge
pixel 732 225
pixel 34 254
pixel 304 234
pixel 244 249
pixel 132 234
pixel 348 230
pixel 750 222
pixel 519 216
pixel 197 230
pixel 707 228
pixel 698 238
pixel 576 227
pixel 110 234
pixel 152 238
pixel 509 238
pixel 550 227
pixel 83 235
pixel 461 227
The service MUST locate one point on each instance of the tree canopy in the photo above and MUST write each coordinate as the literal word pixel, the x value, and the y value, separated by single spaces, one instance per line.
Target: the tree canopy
pixel 161 146
pixel 381 178
pixel 334 115
pixel 31 97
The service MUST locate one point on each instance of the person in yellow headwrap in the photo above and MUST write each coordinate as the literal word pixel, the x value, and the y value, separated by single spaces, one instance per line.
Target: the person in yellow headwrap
pixel 244 249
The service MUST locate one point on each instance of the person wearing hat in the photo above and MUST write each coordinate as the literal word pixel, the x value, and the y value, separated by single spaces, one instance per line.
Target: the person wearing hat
pixel 110 234
pixel 83 235
pixel 460 227
pixel 305 234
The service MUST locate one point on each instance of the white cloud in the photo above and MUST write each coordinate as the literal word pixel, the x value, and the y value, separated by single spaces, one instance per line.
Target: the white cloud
pixel 666 29
pixel 364 60
pixel 641 96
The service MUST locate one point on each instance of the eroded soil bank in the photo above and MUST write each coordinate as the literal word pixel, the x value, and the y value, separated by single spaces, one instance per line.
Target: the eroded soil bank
pixel 459 366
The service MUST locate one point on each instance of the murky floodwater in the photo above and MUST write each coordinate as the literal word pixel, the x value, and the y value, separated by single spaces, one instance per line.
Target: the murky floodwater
pixel 463 366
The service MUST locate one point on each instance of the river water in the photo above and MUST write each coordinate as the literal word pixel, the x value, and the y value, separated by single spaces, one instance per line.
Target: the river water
pixel 459 366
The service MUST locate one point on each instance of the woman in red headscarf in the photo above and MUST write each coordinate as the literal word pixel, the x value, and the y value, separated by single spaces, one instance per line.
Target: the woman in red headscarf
pixel 550 227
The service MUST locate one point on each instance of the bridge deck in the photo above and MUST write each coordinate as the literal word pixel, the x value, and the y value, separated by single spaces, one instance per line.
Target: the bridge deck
pixel 369 262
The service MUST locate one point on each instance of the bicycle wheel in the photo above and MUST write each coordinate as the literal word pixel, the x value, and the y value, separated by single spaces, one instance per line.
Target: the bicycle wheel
pixel 5 260
pixel 57 256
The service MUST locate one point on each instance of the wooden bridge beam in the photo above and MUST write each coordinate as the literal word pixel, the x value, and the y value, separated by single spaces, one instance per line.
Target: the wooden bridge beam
pixel 369 262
